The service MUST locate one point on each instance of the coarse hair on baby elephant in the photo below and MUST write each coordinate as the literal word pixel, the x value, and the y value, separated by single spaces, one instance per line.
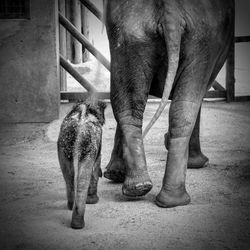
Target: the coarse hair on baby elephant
pixel 79 153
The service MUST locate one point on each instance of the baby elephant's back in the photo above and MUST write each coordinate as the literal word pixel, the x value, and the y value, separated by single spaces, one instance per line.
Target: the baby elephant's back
pixel 89 140
pixel 80 133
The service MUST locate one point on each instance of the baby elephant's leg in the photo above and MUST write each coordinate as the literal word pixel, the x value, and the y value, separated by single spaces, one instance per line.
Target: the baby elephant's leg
pixel 68 174
pixel 92 191
pixel 83 171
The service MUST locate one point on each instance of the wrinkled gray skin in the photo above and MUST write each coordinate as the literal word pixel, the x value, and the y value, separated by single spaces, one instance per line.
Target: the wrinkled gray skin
pixel 79 153
pixel 170 49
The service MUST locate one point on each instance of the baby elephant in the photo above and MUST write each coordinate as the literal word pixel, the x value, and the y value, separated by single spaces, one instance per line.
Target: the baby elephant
pixel 79 153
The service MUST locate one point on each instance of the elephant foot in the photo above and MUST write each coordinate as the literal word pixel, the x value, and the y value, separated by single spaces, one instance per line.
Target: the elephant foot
pixel 137 186
pixel 115 170
pixel 92 199
pixel 77 221
pixel 172 198
pixel 198 161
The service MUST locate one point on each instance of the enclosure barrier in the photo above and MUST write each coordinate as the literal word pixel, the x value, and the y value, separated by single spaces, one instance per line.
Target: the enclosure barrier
pixel 91 7
pixel 83 40
pixel 67 66
pixel 219 91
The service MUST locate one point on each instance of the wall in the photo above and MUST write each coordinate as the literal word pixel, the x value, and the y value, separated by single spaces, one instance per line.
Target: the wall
pixel 29 85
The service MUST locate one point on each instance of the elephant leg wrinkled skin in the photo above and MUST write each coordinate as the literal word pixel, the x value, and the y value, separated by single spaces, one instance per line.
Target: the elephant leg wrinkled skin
pixel 128 155
pixel 137 181
pixel 183 124
pixel 116 169
pixel 182 120
pixel 196 159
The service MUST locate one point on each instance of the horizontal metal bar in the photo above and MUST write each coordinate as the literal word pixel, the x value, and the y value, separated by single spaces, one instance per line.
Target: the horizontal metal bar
pixel 92 8
pixel 215 94
pixel 83 40
pixel 81 96
pixel 242 39
pixel 217 86
pixel 67 66
pixel 74 96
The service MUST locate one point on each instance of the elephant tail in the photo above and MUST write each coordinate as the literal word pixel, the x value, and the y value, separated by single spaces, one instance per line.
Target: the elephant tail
pixel 172 35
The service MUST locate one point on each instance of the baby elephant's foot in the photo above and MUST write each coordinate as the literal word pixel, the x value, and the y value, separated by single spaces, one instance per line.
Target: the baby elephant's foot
pixel 172 198
pixel 137 186
pixel 198 161
pixel 77 221
pixel 92 199
pixel 115 171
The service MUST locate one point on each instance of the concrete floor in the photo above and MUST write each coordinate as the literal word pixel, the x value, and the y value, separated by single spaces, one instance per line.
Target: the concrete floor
pixel 33 213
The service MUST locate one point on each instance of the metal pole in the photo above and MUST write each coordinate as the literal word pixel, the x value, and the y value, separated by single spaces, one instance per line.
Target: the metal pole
pixel 92 8
pixel 85 32
pixel 85 83
pixel 62 44
pixel 77 47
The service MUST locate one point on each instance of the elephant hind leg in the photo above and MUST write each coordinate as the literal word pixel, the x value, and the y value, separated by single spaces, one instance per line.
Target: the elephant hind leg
pixel 184 109
pixel 131 77
pixel 183 115
pixel 116 170
pixel 196 159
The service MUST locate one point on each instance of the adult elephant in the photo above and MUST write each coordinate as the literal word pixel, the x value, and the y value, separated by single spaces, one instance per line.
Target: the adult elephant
pixel 167 48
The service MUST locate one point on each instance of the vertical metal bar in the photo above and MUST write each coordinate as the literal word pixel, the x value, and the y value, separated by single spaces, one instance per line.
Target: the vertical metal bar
pixel 230 72
pixel 85 32
pixel 62 44
pixel 230 77
pixel 68 35
pixel 77 47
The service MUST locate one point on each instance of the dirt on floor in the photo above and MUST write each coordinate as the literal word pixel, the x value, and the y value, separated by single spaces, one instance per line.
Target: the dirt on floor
pixel 33 212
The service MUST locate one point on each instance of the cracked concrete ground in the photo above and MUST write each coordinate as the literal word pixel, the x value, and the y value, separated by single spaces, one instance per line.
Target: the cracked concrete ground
pixel 33 213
